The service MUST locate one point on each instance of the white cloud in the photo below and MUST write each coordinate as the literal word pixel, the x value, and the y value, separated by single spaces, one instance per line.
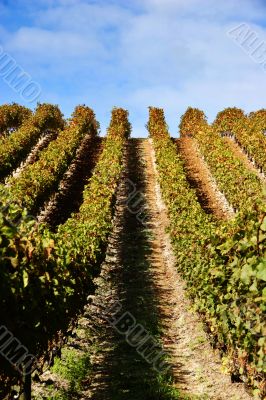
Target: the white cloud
pixel 47 44
pixel 239 9
pixel 170 53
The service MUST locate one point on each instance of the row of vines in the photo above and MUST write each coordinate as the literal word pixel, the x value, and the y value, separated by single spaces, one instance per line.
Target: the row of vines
pixel 45 276
pixel 229 172
pixel 248 131
pixel 15 147
pixel 223 263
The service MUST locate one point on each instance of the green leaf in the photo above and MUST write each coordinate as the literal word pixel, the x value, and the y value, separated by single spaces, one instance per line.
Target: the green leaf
pixel 25 278
pixel 253 287
pixel 261 271
pixel 263 225
pixel 246 273
pixel 14 262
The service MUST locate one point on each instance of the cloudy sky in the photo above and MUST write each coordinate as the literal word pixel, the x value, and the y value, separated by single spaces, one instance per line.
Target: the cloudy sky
pixel 135 53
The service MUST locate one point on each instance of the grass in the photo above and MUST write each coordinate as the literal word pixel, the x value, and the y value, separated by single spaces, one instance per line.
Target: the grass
pixel 71 369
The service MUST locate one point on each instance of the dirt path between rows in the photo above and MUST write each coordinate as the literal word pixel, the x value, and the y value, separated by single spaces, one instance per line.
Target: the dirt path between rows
pixel 196 366
pixel 139 274
pixel 200 178
pixel 120 372
pixel 34 154
pixel 239 153
pixel 68 197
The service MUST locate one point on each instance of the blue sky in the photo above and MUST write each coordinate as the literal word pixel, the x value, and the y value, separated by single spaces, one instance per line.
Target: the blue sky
pixel 135 53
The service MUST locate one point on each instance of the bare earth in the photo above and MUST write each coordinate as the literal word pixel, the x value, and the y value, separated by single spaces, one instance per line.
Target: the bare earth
pixel 243 156
pixel 196 366
pixel 140 272
pixel 199 176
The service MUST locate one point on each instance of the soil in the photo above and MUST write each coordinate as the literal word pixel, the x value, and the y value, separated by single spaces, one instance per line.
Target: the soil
pixel 33 156
pixel 68 198
pixel 200 178
pixel 140 273
pixel 239 153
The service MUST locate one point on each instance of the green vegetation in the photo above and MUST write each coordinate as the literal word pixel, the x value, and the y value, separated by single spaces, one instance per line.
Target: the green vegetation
pixel 45 277
pixel 249 132
pixel 224 266
pixel 12 116
pixel 229 171
pixel 15 147
pixel 37 181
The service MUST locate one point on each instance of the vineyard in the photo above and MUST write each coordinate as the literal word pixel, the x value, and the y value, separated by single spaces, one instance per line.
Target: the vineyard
pixel 132 268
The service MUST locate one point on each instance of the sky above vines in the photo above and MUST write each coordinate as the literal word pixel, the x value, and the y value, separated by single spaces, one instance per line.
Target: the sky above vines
pixel 135 53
